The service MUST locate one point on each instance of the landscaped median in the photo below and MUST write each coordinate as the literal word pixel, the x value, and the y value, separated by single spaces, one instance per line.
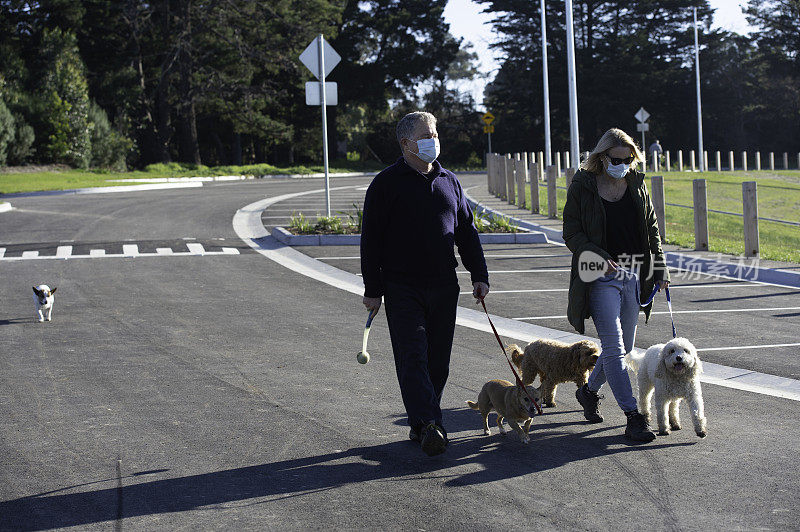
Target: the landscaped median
pixel 284 236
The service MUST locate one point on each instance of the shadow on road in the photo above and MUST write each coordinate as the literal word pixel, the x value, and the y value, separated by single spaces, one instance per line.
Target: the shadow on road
pixel 499 458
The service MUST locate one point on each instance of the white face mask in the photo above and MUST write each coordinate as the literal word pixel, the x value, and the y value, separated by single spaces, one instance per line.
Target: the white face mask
pixel 618 171
pixel 428 149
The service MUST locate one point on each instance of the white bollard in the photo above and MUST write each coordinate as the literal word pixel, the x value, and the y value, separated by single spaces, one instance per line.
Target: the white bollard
pixel 669 162
pixel 558 163
pixel 691 159
pixel 655 161
pixel 758 160
pixel 730 161
pixel 705 161
pixel 680 160
pixel 771 161
pixel 785 161
pixel 719 162
pixel 744 161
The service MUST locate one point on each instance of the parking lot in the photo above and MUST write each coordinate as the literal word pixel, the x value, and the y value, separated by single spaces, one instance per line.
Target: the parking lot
pixel 748 325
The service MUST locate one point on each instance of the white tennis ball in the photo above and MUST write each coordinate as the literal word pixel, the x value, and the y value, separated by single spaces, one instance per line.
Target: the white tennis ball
pixel 362 357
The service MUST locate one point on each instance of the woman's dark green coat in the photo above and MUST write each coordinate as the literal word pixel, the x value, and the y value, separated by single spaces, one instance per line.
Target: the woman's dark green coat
pixel 585 229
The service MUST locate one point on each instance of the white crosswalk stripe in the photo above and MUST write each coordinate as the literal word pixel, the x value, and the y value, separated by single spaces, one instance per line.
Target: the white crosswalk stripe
pixel 129 250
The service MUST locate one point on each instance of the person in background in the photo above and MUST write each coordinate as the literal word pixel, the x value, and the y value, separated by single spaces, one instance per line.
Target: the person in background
pixel 609 213
pixel 414 212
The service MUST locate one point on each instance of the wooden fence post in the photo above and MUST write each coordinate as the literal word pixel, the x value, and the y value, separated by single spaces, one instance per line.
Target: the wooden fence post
pixel 569 175
pixel 489 163
pixel 535 187
pixel 521 171
pixel 510 195
pixel 700 215
pixel 750 208
pixel 657 195
pixel 501 169
pixel 552 194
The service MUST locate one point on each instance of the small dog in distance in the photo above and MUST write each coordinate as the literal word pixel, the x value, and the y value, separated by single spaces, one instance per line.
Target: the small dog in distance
pixel 44 299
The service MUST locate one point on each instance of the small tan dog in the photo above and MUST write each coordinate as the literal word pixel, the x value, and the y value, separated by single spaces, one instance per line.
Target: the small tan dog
pixel 555 363
pixel 510 402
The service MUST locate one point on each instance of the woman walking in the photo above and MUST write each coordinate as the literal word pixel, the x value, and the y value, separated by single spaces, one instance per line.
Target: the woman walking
pixel 609 213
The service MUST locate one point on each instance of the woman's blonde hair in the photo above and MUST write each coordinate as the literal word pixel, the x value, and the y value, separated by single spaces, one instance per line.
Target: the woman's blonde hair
pixel 612 138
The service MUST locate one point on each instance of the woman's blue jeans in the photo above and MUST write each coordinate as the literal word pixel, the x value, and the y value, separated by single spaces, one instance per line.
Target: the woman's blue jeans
pixel 614 306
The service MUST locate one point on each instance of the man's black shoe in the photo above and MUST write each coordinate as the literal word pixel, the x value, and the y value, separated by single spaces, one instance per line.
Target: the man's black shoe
pixel 590 402
pixel 434 440
pixel 415 434
pixel 638 429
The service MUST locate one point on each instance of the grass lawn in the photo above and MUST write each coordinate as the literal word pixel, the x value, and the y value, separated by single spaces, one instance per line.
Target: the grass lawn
pixel 69 179
pixel 778 197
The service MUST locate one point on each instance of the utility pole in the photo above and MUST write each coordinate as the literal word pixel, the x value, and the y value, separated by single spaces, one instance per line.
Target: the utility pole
pixel 573 94
pixel 547 148
pixel 699 112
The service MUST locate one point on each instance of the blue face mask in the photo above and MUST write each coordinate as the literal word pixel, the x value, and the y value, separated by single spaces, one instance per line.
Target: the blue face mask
pixel 428 149
pixel 618 171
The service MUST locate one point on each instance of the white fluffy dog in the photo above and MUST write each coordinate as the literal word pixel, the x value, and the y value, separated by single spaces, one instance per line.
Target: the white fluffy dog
pixel 672 371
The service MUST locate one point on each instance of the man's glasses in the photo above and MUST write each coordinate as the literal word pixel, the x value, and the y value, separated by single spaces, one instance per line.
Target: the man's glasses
pixel 614 160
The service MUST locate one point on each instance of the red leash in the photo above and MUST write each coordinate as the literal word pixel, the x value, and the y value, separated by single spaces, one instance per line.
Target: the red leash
pixel 516 375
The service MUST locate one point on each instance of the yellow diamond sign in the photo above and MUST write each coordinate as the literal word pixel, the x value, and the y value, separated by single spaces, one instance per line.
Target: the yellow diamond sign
pixel 488 118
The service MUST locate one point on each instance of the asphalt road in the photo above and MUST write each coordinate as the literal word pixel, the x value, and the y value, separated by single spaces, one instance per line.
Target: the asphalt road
pixel 220 391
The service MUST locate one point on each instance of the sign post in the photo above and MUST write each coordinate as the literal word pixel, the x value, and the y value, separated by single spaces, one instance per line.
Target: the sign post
pixel 642 116
pixel 320 58
pixel 488 118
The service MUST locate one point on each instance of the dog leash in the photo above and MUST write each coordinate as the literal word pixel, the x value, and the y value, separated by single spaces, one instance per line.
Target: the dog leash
pixel 669 305
pixel 516 375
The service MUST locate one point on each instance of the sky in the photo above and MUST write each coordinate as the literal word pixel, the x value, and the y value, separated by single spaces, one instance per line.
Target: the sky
pixel 467 21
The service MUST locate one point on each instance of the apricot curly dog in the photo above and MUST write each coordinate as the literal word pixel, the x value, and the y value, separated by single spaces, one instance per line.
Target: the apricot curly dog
pixel 555 363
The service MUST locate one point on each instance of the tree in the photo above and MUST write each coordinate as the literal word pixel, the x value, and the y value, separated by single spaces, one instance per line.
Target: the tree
pixel 64 100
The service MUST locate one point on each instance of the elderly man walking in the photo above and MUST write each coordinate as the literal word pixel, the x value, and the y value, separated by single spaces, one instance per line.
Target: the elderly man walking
pixel 415 211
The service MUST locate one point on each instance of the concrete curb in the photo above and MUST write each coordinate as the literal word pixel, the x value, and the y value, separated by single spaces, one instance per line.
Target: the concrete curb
pixel 282 235
pixel 5 206
pixel 204 179
pixel 741 270
pixel 103 190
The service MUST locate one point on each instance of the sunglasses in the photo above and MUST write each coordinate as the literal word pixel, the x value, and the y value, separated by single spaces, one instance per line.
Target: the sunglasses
pixel 614 160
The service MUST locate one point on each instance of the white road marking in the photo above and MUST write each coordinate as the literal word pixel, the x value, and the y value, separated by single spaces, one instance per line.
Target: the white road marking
pixel 768 346
pixel 520 271
pixel 486 256
pixel 715 311
pixel 196 249
pixel 129 251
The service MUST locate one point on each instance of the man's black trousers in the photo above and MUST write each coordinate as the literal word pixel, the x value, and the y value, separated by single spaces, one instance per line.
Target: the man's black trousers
pixel 422 320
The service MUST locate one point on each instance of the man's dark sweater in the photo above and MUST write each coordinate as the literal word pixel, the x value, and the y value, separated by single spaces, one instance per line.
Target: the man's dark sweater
pixel 411 222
